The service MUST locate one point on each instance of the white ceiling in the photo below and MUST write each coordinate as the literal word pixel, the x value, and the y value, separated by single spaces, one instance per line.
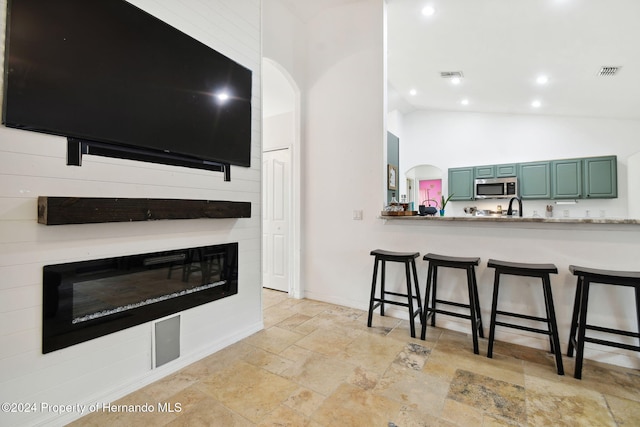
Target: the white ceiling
pixel 501 46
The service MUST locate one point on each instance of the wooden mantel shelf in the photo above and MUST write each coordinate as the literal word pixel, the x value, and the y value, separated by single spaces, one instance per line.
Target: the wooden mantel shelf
pixel 91 210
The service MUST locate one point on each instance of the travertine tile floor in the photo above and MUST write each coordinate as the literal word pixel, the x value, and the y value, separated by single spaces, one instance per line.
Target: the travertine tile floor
pixel 317 364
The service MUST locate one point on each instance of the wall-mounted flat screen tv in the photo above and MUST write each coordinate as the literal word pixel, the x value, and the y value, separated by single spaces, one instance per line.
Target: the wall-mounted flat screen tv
pixel 107 71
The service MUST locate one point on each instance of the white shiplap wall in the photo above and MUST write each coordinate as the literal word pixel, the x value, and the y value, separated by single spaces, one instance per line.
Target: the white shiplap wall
pixel 33 164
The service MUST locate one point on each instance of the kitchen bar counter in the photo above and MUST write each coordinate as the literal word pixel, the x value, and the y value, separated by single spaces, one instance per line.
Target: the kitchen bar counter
pixel 607 243
pixel 512 220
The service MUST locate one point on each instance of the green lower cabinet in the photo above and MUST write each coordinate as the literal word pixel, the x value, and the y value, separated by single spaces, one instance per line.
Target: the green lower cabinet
pixel 566 179
pixel 534 180
pixel 461 183
pixel 600 177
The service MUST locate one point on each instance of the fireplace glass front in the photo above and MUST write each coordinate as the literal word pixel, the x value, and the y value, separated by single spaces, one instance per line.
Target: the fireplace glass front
pixel 88 299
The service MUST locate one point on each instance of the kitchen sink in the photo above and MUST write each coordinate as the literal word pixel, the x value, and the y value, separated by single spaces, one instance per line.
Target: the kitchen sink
pixel 496 214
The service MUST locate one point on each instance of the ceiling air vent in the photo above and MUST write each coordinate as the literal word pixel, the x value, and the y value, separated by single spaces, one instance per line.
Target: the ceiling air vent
pixel 451 74
pixel 608 71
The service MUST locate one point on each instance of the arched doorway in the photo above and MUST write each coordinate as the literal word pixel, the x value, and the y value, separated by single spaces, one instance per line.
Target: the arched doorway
pixel 427 187
pixel 281 180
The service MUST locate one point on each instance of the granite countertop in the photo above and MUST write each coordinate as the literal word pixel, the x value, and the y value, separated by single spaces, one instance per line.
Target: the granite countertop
pixel 515 220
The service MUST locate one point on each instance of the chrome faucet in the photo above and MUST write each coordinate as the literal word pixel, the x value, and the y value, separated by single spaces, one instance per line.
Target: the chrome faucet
pixel 510 210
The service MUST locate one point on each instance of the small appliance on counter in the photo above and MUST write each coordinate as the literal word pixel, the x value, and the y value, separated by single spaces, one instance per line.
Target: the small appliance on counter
pixel 549 211
pixel 427 209
pixel 471 210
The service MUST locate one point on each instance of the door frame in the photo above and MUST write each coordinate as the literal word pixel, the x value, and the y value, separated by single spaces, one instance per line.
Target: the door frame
pixel 296 290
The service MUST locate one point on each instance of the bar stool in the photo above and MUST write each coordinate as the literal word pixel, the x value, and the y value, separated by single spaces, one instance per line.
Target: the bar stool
pixel 409 260
pixel 528 270
pixel 586 276
pixel 430 310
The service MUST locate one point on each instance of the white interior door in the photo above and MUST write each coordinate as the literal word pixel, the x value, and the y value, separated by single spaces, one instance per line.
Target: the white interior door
pixel 276 170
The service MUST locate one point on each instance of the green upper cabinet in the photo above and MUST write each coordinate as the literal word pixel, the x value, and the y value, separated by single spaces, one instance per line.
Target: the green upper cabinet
pixel 600 177
pixel 566 179
pixel 534 180
pixel 495 171
pixel 484 172
pixel 580 178
pixel 461 183
pixel 506 170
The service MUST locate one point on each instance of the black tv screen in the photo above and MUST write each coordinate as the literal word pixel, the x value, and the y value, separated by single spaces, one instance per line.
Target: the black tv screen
pixel 106 71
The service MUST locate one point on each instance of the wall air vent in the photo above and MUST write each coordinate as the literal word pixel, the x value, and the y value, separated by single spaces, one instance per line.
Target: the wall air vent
pixel 451 74
pixel 608 71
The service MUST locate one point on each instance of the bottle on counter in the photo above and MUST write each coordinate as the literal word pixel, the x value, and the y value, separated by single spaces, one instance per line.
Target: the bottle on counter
pixel 393 205
pixel 403 202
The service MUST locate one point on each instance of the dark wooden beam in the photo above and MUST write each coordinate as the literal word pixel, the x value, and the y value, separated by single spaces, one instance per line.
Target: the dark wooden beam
pixel 89 210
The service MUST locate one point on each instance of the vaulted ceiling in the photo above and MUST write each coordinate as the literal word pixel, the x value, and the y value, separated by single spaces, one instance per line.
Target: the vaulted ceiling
pixel 501 47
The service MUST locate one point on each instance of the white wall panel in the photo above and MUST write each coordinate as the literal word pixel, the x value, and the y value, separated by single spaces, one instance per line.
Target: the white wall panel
pixel 33 164
pixel 18 320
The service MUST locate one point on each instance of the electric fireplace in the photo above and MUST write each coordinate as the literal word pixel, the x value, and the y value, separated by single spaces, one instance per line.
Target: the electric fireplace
pixel 88 299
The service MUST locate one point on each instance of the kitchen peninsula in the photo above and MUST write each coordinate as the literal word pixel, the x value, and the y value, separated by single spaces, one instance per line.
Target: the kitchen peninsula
pixel 512 219
pixel 596 242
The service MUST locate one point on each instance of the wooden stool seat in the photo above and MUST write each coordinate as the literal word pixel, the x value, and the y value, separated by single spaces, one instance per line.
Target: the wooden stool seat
pixel 409 260
pixel 579 326
pixel 523 269
pixel 528 270
pixel 394 256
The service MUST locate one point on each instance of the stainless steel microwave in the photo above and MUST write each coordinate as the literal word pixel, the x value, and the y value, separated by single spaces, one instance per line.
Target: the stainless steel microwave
pixel 496 188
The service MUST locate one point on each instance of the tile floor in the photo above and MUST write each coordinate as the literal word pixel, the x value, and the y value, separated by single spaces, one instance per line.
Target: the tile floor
pixel 317 364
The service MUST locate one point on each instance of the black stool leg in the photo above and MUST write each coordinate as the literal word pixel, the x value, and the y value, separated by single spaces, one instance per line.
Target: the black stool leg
pixel 472 309
pixel 494 305
pixel 416 284
pixel 574 317
pixel 434 270
pixel 475 295
pixel 552 346
pixel 373 291
pixel 582 328
pixel 553 327
pixel 636 286
pixel 425 309
pixel 412 325
pixel 382 290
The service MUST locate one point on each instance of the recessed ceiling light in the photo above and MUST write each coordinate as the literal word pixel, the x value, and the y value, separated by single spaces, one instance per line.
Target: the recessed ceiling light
pixel 542 80
pixel 413 92
pixel 455 80
pixel 464 102
pixel 428 11
pixel 536 104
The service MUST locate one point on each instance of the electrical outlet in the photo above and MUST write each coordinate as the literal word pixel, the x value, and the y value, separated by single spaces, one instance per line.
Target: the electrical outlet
pixel 357 214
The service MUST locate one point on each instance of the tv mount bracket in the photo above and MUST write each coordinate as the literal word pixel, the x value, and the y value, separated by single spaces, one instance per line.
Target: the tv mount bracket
pixel 77 147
